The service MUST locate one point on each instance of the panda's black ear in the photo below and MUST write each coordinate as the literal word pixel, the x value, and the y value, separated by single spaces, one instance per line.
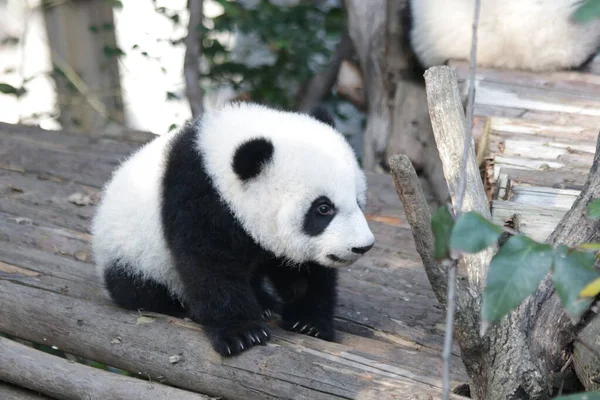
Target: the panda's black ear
pixel 321 114
pixel 251 156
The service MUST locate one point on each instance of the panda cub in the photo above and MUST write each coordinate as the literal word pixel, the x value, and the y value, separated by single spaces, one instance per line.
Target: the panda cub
pixel 194 221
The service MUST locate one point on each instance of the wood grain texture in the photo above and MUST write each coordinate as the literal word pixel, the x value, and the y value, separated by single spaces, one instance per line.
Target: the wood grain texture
pixel 449 128
pixel 62 379
pixel 11 392
pixel 288 367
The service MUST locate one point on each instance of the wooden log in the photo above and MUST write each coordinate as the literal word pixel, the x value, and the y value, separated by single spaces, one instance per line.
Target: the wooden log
pixel 62 379
pixel 11 392
pixel 386 296
pixel 449 128
pixel 304 368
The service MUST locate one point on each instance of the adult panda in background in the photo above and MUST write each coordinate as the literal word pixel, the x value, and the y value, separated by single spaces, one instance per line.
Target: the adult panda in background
pixel 535 35
pixel 192 223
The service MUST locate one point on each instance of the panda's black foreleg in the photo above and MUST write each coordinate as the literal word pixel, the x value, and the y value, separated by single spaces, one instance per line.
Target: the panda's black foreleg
pixel 309 296
pixel 268 303
pixel 220 298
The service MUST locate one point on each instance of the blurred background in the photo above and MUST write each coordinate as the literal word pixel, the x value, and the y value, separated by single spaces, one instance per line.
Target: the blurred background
pixel 113 64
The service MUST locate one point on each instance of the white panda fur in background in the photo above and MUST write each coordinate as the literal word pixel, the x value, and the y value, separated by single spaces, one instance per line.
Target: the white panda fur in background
pixel 535 35
pixel 195 221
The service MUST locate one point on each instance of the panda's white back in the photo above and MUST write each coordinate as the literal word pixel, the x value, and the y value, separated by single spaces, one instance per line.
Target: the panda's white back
pixel 512 34
pixel 127 225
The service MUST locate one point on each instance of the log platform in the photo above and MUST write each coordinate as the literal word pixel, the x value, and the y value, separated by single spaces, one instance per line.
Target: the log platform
pixel 536 137
pixel 390 325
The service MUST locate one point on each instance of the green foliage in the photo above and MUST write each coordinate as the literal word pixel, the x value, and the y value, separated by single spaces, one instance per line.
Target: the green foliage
pixel 295 36
pixel 572 271
pixel 473 233
pixel 442 224
pixel 514 273
pixel 517 269
pixel 589 10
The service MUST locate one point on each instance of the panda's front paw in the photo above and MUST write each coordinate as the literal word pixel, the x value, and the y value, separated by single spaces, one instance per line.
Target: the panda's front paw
pixel 235 337
pixel 313 325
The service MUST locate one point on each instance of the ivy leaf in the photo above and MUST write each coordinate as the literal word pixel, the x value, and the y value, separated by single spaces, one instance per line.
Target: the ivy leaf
pixel 581 396
pixel 593 208
pixel 572 271
pixel 592 289
pixel 515 272
pixel 441 225
pixel 473 233
pixel 589 10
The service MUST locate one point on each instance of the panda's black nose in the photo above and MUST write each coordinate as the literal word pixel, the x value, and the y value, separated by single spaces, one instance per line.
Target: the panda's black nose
pixel 362 250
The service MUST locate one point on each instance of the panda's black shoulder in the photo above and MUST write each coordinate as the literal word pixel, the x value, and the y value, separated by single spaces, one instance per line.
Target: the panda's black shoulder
pixel 192 211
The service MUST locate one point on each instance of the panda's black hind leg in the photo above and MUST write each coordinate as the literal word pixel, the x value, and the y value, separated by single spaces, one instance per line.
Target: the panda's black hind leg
pixel 136 293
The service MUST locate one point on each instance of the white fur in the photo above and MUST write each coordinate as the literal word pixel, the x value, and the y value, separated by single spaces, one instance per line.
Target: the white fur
pixel 513 34
pixel 127 223
pixel 310 159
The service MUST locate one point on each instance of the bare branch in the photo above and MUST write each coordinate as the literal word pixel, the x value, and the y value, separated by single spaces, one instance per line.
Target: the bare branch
pixel 193 52
pixel 322 82
pixel 418 216
pixel 462 183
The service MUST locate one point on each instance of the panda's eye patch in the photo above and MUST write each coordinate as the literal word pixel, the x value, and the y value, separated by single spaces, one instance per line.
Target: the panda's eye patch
pixel 318 216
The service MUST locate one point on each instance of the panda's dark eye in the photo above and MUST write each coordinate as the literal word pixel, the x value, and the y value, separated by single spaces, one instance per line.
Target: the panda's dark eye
pixel 325 209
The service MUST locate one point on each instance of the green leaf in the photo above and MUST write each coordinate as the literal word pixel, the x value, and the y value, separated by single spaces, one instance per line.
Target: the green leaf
pixel 441 225
pixel 473 233
pixel 572 271
pixel 581 396
pixel 593 208
pixel 589 10
pixel 515 272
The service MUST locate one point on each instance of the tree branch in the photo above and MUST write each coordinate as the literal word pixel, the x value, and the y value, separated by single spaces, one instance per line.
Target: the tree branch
pixel 321 83
pixel 449 128
pixel 408 188
pixel 193 52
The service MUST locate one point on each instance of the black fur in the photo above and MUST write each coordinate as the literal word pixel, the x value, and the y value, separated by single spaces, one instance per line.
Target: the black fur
pixel 222 267
pixel 251 156
pixel 321 114
pixel 314 221
pixel 135 293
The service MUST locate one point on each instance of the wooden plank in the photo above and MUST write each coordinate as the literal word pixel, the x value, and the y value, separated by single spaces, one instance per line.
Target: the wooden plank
pixel 63 379
pixel 573 82
pixel 534 221
pixel 290 366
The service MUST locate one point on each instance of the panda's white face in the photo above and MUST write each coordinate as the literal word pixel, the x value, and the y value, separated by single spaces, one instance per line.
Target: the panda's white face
pixel 292 181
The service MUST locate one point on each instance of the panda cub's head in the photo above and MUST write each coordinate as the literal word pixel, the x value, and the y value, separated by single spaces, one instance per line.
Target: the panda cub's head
pixel 291 180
